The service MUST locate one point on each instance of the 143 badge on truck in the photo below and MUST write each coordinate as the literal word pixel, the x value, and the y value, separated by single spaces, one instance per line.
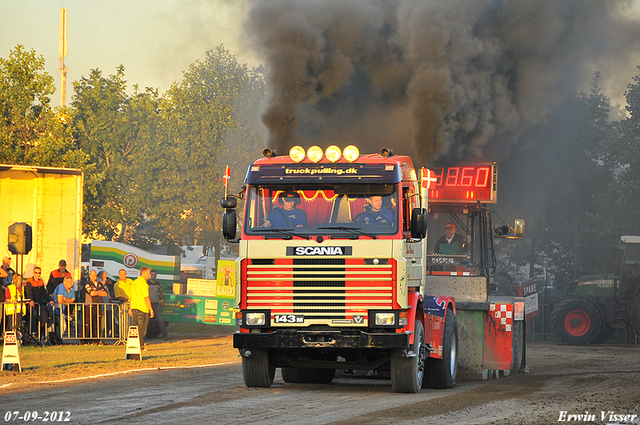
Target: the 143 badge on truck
pixel 288 318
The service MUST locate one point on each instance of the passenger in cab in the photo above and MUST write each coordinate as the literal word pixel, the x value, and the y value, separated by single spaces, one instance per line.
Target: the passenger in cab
pixel 287 216
pixel 451 243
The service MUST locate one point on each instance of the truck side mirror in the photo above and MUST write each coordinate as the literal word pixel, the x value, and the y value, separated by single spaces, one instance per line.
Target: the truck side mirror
pixel 518 227
pixel 419 223
pixel 229 202
pixel 229 224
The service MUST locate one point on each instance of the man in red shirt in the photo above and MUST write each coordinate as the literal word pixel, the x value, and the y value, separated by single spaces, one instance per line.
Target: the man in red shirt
pixel 57 276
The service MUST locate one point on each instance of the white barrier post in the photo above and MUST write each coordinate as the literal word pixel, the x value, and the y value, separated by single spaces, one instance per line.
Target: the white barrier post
pixel 10 355
pixel 133 344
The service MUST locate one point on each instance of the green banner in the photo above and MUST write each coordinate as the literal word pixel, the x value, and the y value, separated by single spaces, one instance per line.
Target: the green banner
pixel 198 309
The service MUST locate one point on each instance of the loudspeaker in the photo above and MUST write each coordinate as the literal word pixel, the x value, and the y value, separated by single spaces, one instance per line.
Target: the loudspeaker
pixel 19 238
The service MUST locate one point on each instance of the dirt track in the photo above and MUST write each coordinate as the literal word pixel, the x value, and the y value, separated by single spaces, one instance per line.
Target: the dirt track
pixel 561 378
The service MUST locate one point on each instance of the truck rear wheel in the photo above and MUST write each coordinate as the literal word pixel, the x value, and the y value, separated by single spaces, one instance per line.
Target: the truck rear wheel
pixel 307 375
pixel 441 373
pixel 407 373
pixel 257 369
pixel 576 321
pixel 634 314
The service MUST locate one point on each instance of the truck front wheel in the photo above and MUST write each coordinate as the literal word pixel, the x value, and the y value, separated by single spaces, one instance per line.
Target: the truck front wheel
pixel 407 372
pixel 257 368
pixel 441 373
pixel 576 321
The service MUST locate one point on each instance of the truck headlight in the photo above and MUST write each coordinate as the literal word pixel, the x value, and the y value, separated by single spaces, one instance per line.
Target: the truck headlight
pixel 255 319
pixel 385 319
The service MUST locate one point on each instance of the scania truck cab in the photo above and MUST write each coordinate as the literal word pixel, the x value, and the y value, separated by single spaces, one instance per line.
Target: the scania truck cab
pixel 331 265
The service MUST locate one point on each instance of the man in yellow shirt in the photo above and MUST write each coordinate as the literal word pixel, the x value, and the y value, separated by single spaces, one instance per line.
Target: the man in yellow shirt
pixel 122 287
pixel 140 308
pixel 14 298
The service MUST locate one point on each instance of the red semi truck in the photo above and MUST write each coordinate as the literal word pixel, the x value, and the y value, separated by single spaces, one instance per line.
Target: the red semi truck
pixel 333 274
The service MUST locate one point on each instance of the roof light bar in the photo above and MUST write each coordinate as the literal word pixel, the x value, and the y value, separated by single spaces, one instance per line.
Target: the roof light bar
pixel 314 153
pixel 351 153
pixel 333 153
pixel 296 153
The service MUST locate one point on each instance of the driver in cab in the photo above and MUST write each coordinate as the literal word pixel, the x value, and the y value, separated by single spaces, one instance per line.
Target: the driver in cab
pixel 288 216
pixel 375 213
pixel 451 243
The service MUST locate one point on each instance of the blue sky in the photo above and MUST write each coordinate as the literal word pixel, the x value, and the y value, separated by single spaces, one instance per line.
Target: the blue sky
pixel 155 40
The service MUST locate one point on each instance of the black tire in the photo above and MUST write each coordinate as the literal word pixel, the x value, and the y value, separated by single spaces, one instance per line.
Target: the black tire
pixel 441 373
pixel 634 314
pixel 306 375
pixel 604 334
pixel 258 369
pixel 517 345
pixel 407 374
pixel 576 321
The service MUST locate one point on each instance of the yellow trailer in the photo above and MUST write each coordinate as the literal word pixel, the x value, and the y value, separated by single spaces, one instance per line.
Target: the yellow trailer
pixel 50 201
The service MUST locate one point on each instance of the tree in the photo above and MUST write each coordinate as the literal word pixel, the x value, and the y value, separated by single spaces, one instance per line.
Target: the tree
pixel 568 185
pixel 624 157
pixel 208 122
pixel 31 133
pixel 116 130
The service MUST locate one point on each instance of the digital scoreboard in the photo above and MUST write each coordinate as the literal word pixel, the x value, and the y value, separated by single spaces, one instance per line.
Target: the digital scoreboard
pixel 463 184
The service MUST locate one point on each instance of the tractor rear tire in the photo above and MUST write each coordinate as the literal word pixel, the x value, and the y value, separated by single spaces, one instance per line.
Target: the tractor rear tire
pixel 441 373
pixel 258 369
pixel 407 373
pixel 576 321
pixel 307 375
pixel 605 333
pixel 634 314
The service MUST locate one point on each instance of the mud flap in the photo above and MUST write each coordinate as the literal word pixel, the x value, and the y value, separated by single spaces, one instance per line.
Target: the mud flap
pixel 486 334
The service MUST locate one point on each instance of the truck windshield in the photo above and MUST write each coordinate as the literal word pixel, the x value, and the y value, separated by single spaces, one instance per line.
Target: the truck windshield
pixel 349 210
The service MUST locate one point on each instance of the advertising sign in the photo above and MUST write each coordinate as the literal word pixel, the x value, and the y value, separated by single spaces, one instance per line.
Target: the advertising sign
pixel 226 287
pixel 195 309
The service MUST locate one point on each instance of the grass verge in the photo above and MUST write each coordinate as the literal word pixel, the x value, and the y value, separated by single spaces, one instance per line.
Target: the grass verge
pixel 64 364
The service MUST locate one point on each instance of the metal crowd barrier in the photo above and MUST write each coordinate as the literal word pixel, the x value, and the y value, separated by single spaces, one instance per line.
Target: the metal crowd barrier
pixel 87 323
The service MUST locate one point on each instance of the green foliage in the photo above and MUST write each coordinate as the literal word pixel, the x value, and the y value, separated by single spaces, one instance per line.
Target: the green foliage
pixel 207 123
pixel 159 160
pixel 115 130
pixel 568 181
pixel 624 157
pixel 30 132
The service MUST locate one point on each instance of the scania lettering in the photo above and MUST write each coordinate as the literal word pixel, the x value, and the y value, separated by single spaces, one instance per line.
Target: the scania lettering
pixel 332 269
pixel 325 250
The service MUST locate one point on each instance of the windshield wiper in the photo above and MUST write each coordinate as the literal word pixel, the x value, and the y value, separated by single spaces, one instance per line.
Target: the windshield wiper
pixel 285 233
pixel 350 230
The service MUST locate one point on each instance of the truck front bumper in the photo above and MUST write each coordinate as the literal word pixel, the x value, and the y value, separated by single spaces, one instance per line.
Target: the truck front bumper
pixel 291 339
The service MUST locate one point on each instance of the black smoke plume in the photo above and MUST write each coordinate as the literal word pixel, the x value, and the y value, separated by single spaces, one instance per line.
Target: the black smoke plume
pixel 435 78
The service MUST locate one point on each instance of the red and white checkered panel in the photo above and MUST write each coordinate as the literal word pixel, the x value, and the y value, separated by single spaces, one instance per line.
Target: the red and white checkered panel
pixel 503 314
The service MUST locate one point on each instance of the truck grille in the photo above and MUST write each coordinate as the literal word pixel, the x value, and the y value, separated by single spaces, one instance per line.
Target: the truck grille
pixel 322 290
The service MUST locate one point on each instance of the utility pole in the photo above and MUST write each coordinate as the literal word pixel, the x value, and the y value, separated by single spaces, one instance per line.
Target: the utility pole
pixel 63 54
